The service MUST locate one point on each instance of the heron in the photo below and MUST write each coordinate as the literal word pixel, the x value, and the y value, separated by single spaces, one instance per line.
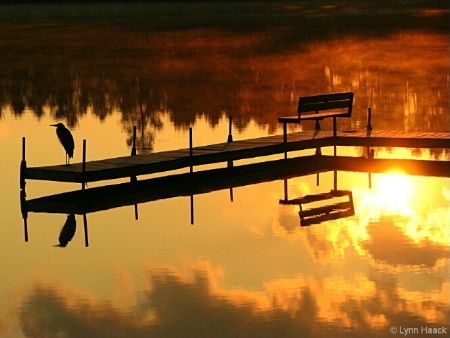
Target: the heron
pixel 66 139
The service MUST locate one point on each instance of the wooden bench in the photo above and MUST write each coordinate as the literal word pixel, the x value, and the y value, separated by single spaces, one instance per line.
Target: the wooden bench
pixel 319 107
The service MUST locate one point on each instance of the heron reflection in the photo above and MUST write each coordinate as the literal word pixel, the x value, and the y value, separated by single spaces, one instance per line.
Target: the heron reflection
pixel 66 139
pixel 67 231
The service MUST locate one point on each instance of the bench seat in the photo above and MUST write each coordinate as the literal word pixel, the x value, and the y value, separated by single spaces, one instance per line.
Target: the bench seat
pixel 310 116
pixel 319 107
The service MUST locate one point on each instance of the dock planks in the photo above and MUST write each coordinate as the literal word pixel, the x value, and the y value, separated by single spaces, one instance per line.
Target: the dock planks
pixel 128 166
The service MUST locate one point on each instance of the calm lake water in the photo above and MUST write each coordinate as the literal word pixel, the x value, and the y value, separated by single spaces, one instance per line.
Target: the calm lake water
pixel 245 268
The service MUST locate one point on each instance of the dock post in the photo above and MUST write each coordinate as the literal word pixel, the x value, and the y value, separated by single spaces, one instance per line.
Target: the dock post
pixel 133 179
pixel 191 169
pixel 86 237
pixel 133 150
pixel 285 139
pixel 230 129
pixel 25 229
pixel 192 209
pixel 23 166
pixel 83 172
pixel 24 212
pixel 369 119
pixel 285 186
pixel 230 138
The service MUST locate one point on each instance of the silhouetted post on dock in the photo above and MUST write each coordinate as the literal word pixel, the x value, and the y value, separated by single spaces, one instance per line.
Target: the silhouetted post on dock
pixel 23 166
pixel 133 150
pixel 230 137
pixel 369 119
pixel 134 178
pixel 230 129
pixel 191 169
pixel 83 172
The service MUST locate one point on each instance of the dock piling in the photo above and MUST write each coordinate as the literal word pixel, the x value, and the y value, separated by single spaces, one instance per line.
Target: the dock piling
pixel 285 186
pixel 83 172
pixel 192 209
pixel 23 166
pixel 133 150
pixel 24 212
pixel 230 129
pixel 191 169
pixel 86 237
pixel 369 119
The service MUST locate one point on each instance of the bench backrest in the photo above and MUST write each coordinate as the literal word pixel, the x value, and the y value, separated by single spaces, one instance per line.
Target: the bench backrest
pixel 337 101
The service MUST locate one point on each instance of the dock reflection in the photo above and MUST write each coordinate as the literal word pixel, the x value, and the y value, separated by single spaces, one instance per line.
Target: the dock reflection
pixel 134 193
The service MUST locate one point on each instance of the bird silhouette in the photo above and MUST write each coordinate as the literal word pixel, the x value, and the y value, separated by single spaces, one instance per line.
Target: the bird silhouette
pixel 67 231
pixel 66 139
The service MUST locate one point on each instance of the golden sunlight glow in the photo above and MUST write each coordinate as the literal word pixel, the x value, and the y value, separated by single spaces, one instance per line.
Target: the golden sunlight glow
pixel 396 218
pixel 394 193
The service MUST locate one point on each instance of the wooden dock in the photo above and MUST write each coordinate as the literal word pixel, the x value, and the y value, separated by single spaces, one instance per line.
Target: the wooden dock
pixel 135 165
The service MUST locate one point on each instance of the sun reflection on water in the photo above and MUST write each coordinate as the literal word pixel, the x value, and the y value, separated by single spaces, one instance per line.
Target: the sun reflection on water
pixel 400 224
pixel 393 194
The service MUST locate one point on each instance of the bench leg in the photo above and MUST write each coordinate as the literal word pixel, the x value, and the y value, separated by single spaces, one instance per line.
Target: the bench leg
pixel 284 132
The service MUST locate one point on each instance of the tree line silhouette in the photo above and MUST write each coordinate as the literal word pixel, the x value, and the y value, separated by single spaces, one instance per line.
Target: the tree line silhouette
pixel 146 68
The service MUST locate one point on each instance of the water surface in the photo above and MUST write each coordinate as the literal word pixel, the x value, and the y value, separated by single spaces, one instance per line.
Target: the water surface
pixel 245 267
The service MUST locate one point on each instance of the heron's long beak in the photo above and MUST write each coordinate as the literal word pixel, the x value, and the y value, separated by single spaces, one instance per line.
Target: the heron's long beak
pixel 53 125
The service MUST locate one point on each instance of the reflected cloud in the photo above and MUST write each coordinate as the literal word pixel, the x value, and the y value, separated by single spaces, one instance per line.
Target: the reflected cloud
pixel 388 244
pixel 194 304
